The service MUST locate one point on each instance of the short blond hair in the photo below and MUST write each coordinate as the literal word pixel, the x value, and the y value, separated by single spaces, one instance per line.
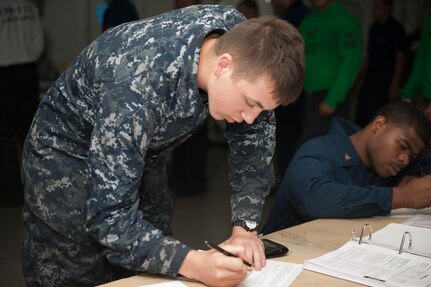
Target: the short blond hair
pixel 270 47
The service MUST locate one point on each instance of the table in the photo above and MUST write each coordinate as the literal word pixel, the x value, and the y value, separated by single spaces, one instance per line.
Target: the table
pixel 305 241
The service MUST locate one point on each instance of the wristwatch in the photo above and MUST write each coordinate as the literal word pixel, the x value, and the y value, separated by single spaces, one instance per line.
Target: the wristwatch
pixel 246 224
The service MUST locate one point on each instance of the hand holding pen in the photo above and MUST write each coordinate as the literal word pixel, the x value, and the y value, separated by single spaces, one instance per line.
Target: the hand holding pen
pixel 213 268
pixel 225 252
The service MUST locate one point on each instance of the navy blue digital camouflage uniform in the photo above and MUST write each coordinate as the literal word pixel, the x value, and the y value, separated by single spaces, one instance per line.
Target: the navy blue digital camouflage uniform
pixel 96 196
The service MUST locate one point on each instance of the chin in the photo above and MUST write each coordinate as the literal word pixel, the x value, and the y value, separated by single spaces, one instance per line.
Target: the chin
pixel 385 174
pixel 216 116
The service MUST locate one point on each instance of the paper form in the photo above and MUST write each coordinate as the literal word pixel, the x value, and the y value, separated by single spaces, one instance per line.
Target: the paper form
pixel 373 265
pixel 274 274
pixel 166 284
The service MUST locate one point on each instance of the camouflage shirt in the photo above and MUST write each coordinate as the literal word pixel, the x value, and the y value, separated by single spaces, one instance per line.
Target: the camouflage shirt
pixel 93 165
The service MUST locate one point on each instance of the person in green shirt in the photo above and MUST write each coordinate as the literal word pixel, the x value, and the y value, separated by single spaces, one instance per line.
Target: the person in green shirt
pixel 333 47
pixel 420 76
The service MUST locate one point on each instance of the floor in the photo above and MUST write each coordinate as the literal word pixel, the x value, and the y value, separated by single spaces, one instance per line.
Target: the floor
pixel 197 218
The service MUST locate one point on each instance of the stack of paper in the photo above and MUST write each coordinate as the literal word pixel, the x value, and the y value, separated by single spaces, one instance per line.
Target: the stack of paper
pixel 373 265
pixel 377 262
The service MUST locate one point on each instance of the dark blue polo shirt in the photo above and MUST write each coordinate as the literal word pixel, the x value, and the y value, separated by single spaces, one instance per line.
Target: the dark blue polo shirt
pixel 327 179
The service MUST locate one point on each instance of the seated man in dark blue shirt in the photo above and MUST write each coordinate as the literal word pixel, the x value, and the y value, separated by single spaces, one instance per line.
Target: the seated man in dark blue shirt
pixel 352 173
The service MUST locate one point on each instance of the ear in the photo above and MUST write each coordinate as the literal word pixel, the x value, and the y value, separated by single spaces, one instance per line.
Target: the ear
pixel 224 61
pixel 378 123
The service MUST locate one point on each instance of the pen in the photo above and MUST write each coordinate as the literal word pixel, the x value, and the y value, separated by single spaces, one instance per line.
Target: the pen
pixel 374 278
pixel 227 253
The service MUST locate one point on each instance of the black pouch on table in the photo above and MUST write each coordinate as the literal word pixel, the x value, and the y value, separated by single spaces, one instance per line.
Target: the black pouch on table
pixel 274 249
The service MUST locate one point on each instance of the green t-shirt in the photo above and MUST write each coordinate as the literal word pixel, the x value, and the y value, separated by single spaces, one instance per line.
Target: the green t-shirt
pixel 333 50
pixel 420 76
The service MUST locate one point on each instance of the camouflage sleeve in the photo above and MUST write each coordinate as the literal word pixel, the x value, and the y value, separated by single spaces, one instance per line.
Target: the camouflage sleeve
pixel 117 157
pixel 251 172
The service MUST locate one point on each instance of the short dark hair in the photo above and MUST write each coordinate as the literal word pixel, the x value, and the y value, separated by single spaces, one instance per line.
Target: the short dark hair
pixel 270 47
pixel 401 113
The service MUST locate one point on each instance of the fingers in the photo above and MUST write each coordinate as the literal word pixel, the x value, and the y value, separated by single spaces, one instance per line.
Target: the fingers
pixel 214 268
pixel 415 194
pixel 227 270
pixel 240 252
pixel 259 255
pixel 254 251
pixel 325 110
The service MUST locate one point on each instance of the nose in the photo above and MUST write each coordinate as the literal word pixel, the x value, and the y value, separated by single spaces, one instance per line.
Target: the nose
pixel 250 115
pixel 405 158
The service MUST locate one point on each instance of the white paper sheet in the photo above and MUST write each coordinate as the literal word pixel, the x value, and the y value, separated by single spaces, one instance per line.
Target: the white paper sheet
pixel 420 220
pixel 166 284
pixel 275 274
pixel 410 211
pixel 373 265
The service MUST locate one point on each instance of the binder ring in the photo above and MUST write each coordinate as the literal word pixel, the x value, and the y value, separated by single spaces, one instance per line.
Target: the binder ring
pixel 402 242
pixel 362 232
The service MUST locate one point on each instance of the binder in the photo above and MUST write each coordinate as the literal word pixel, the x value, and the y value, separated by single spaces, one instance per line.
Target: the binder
pixel 401 237
pixel 387 257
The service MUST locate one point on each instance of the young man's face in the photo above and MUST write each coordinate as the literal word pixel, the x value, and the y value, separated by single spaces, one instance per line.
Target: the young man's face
pixel 237 101
pixel 392 147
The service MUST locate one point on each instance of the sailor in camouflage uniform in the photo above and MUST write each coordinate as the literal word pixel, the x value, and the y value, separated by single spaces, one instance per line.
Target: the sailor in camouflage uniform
pixel 96 196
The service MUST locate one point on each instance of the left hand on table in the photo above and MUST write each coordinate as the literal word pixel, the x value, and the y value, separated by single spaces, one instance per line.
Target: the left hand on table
pixel 254 250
